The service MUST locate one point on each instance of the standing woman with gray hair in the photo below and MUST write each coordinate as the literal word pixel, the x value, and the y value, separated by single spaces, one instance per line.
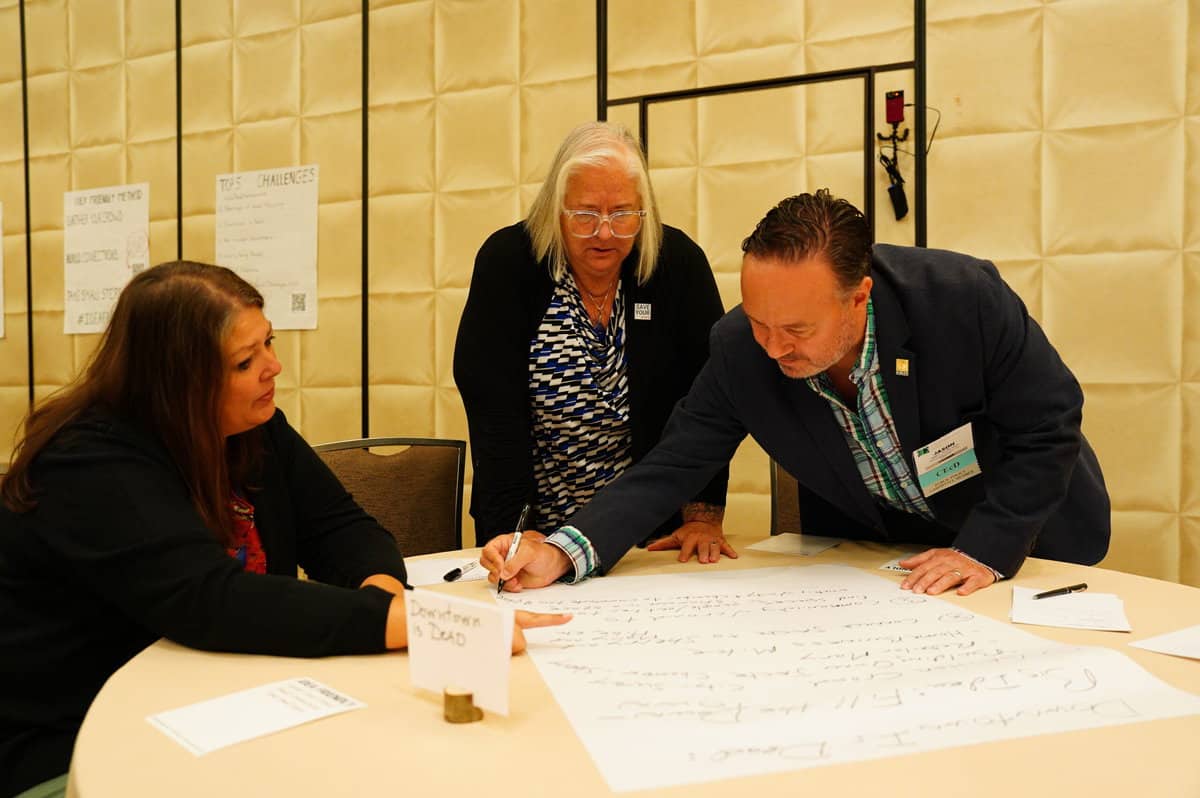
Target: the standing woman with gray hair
pixel 584 325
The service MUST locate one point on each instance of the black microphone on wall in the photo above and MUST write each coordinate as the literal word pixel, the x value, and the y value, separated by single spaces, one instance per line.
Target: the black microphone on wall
pixel 896 189
pixel 894 113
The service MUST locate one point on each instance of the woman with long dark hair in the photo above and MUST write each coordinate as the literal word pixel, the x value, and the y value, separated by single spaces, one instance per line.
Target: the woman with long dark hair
pixel 162 494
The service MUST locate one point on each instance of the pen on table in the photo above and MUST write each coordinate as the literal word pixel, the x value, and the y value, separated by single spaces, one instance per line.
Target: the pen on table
pixel 1061 591
pixel 516 541
pixel 455 573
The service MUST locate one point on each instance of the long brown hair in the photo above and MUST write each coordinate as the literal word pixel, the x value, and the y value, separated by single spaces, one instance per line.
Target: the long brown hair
pixel 160 364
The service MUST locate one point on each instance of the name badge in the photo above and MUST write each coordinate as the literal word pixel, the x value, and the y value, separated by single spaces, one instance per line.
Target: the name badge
pixel 947 461
pixel 641 311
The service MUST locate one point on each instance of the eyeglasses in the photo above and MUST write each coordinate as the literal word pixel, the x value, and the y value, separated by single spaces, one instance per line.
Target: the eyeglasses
pixel 622 224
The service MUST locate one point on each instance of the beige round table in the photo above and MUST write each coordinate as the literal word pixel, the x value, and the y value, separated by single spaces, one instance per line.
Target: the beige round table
pixel 399 745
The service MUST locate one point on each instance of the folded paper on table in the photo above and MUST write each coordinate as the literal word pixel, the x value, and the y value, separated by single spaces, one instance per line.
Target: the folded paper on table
pixel 1180 643
pixel 218 722
pixel 792 543
pixel 433 572
pixel 1103 612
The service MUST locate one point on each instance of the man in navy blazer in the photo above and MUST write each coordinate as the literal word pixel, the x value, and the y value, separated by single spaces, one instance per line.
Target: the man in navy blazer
pixel 908 392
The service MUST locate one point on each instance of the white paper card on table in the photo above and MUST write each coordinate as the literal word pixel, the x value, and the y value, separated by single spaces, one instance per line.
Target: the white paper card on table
pixel 690 677
pixel 1103 612
pixel 259 711
pixel 1180 643
pixel 106 240
pixel 433 572
pixel 792 543
pixel 266 231
pixel 463 643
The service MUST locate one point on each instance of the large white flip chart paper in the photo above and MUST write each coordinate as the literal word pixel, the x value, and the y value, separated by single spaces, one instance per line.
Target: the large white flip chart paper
pixel 693 677
pixel 267 232
pixel 106 240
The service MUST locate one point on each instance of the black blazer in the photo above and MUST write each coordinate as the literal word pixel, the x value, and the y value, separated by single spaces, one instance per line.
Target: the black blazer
pixel 975 356
pixel 115 556
pixel 509 294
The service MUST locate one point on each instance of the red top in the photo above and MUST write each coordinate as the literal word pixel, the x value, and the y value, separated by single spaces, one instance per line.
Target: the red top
pixel 247 547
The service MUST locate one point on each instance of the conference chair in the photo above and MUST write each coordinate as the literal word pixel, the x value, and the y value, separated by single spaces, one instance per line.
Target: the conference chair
pixel 414 489
pixel 785 501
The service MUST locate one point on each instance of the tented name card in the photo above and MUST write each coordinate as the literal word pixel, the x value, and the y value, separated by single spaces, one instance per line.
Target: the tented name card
pixel 106 240
pixel 266 231
pixel 457 642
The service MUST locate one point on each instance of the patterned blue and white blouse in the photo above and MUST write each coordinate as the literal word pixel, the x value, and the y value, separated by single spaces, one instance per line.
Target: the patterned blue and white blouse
pixel 580 404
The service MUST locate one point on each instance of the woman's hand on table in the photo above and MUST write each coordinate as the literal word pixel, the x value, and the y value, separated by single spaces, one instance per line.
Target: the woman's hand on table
pixel 532 620
pixel 397 619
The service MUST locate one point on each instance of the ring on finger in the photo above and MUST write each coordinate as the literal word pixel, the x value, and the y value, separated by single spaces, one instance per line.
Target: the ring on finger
pixel 957 573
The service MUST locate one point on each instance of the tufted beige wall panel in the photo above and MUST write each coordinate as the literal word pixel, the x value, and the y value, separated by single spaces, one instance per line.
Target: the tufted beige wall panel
pixel 720 163
pixel 273 84
pixel 101 112
pixel 469 100
pixel 1068 152
pixel 14 346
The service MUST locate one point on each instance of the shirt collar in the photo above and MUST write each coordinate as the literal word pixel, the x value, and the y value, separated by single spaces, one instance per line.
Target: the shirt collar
pixel 868 361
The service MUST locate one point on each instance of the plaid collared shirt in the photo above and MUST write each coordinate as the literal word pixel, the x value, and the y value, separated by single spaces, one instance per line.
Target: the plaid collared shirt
pixel 870 431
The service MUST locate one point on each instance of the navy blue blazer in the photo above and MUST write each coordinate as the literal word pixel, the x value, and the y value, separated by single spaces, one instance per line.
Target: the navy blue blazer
pixel 974 356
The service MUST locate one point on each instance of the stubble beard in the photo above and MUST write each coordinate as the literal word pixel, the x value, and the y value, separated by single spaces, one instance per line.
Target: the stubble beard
pixel 842 346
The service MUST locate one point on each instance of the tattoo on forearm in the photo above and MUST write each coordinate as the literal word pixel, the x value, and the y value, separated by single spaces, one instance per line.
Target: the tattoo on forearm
pixel 703 511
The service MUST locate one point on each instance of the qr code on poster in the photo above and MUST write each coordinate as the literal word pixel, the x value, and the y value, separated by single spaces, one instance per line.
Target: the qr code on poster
pixel 299 303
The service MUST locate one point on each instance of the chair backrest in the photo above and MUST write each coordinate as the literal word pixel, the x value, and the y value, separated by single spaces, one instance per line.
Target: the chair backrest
pixel 785 501
pixel 415 493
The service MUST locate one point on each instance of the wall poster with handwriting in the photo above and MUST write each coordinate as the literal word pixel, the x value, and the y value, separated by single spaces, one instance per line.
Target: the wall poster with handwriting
pixel 693 677
pixel 106 240
pixel 267 232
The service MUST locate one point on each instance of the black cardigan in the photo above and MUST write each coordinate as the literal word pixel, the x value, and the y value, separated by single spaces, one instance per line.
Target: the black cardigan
pixel 114 557
pixel 509 294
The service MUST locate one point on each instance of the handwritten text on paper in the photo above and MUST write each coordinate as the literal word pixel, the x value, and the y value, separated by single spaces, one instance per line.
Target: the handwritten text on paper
pixel 694 677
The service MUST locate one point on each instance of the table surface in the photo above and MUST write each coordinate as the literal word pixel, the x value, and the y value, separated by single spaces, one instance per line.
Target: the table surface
pixel 399 743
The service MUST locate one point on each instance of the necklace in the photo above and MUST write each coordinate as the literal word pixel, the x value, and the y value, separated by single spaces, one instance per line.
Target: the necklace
pixel 598 302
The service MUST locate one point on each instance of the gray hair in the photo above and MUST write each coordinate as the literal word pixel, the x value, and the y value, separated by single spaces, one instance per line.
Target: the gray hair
pixel 593 144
